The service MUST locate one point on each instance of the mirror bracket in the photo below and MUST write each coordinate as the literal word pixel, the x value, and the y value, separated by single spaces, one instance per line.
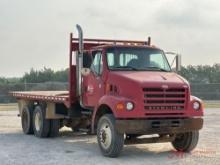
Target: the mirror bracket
pixel 177 60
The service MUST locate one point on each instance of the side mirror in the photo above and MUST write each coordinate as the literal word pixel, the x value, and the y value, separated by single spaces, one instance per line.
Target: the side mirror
pixel 174 58
pixel 85 71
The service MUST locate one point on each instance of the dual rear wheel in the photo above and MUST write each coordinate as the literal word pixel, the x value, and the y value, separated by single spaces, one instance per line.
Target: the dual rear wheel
pixel 26 120
pixel 34 121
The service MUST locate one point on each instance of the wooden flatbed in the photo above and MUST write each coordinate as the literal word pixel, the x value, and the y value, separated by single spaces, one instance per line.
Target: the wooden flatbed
pixel 52 96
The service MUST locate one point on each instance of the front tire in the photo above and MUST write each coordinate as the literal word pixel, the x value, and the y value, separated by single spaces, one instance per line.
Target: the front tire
pixel 186 142
pixel 110 141
pixel 41 125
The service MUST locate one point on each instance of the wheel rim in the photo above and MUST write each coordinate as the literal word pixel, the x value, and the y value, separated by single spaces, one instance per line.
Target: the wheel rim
pixel 37 121
pixel 105 135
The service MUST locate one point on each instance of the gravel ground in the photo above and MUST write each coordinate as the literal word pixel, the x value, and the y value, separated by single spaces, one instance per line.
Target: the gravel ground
pixel 69 148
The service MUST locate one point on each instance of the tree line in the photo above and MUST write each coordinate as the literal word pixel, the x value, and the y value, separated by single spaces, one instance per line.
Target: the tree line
pixel 202 73
pixel 39 76
pixel 204 79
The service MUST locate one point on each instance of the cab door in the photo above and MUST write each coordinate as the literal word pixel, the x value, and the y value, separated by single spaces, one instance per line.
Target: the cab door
pixel 93 83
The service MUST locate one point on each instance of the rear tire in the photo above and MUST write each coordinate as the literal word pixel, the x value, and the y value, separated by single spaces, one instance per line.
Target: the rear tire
pixel 110 141
pixel 26 120
pixel 41 125
pixel 54 128
pixel 186 142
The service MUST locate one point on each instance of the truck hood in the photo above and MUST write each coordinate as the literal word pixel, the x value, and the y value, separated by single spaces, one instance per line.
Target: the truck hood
pixel 149 77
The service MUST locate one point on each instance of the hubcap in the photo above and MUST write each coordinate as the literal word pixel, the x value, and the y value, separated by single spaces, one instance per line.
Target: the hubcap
pixel 37 121
pixel 105 135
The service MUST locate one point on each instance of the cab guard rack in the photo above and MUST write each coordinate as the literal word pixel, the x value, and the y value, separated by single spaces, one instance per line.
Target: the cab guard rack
pixel 89 43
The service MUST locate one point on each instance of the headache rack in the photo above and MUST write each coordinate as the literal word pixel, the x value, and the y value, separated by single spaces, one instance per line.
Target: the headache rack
pixel 90 43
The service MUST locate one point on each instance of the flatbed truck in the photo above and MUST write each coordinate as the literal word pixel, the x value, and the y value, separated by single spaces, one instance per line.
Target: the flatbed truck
pixel 118 90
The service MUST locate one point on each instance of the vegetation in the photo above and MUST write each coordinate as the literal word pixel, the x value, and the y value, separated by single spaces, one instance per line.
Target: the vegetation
pixel 44 79
pixel 204 79
pixel 45 75
pixel 202 73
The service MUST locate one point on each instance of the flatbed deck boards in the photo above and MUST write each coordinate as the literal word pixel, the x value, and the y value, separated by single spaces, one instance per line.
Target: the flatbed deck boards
pixel 54 96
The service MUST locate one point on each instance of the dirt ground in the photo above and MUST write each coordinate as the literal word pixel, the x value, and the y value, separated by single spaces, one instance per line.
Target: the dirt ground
pixel 79 149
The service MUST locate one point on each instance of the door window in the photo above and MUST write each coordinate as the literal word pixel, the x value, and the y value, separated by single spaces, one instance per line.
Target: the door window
pixel 97 64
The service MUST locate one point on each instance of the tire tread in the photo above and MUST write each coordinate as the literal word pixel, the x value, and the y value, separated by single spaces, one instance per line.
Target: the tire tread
pixel 54 128
pixel 189 143
pixel 117 146
pixel 43 133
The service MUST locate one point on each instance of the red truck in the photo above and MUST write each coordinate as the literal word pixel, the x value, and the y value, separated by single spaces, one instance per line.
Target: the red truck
pixel 119 90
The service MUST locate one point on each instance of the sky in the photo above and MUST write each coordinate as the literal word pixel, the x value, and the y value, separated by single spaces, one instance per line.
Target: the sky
pixel 35 33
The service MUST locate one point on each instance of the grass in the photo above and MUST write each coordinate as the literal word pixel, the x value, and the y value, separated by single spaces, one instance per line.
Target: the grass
pixel 8 107
pixel 212 104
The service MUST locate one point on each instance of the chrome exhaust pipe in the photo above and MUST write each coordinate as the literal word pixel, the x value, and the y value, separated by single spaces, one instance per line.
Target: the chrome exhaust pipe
pixel 80 35
pixel 79 62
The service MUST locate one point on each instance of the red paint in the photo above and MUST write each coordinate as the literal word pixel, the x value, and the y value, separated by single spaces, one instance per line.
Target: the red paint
pixel 72 75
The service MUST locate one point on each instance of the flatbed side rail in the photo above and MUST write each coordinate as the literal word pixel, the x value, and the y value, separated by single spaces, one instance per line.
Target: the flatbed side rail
pixel 58 99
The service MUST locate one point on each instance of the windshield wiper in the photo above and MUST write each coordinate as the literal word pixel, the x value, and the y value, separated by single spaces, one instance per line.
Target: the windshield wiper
pixel 157 68
pixel 125 67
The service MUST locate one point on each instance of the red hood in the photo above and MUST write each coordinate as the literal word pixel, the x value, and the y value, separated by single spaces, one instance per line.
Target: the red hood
pixel 152 77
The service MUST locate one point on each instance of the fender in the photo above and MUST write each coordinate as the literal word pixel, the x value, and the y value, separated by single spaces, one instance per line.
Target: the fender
pixel 110 101
pixel 191 112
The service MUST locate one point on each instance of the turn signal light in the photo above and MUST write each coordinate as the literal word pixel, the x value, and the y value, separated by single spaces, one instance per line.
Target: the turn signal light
pixel 120 106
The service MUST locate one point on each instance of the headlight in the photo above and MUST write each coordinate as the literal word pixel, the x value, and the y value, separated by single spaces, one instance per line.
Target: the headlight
pixel 129 106
pixel 196 105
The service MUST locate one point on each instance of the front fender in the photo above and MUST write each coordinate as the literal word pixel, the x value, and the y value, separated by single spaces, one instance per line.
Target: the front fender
pixel 110 101
pixel 193 112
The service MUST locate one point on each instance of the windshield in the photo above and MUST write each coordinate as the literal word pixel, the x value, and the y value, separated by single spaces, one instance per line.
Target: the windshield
pixel 137 59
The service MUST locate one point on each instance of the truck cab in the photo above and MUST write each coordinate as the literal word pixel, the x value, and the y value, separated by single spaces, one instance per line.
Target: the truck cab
pixel 139 81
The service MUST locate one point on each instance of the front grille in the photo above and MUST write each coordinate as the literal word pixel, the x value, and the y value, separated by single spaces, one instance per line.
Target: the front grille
pixel 164 99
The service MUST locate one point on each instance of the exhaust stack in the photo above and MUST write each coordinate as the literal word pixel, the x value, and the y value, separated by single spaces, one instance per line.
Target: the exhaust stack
pixel 79 62
pixel 80 35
